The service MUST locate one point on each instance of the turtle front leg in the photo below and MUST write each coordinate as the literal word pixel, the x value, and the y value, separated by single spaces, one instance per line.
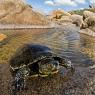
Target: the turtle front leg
pixel 19 82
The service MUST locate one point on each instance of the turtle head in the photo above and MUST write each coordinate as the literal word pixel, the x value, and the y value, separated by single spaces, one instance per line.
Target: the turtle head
pixel 48 66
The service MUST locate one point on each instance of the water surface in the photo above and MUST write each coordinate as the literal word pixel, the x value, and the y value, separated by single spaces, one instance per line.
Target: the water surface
pixel 66 42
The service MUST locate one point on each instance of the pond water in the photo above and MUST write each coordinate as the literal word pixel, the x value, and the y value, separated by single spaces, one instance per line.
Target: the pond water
pixel 66 42
pixel 69 43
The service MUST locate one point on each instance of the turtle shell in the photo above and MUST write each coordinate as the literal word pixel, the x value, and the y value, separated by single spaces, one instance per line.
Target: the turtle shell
pixel 29 54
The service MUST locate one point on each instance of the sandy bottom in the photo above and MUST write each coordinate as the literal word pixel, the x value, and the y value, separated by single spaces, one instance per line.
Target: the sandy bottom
pixel 81 82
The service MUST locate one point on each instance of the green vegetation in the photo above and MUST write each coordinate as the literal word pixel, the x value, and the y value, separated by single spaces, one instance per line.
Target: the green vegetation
pixel 80 12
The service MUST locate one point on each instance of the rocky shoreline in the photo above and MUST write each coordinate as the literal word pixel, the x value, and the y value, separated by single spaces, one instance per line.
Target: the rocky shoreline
pixel 87 32
pixel 14 26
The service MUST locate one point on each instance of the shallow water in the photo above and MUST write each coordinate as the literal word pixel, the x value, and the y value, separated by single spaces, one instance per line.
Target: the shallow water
pixel 66 42
pixel 69 43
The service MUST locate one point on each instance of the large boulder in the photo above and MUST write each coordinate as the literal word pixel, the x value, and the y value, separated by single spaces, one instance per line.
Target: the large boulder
pixel 87 14
pixel 65 19
pixel 18 12
pixel 90 21
pixel 92 28
pixel 76 19
pixel 57 14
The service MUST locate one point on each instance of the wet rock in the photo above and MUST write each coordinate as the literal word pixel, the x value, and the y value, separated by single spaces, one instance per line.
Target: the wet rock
pixel 2 37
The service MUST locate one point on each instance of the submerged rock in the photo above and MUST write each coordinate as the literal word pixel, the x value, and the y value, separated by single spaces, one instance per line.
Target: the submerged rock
pixel 2 37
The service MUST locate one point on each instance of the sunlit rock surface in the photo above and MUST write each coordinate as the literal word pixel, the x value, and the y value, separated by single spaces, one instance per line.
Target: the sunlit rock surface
pixel 18 12
pixel 2 37
pixel 87 14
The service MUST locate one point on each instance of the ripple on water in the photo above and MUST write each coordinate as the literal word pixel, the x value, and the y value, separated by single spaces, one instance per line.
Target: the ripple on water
pixel 65 42
pixel 69 43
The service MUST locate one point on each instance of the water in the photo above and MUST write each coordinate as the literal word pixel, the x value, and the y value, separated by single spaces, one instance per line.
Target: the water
pixel 66 42
pixel 69 43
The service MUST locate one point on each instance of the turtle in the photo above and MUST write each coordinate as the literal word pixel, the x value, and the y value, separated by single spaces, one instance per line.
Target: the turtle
pixel 35 60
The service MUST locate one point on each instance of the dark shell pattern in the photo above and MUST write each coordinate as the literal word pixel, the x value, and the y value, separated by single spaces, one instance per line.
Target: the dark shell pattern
pixel 29 54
